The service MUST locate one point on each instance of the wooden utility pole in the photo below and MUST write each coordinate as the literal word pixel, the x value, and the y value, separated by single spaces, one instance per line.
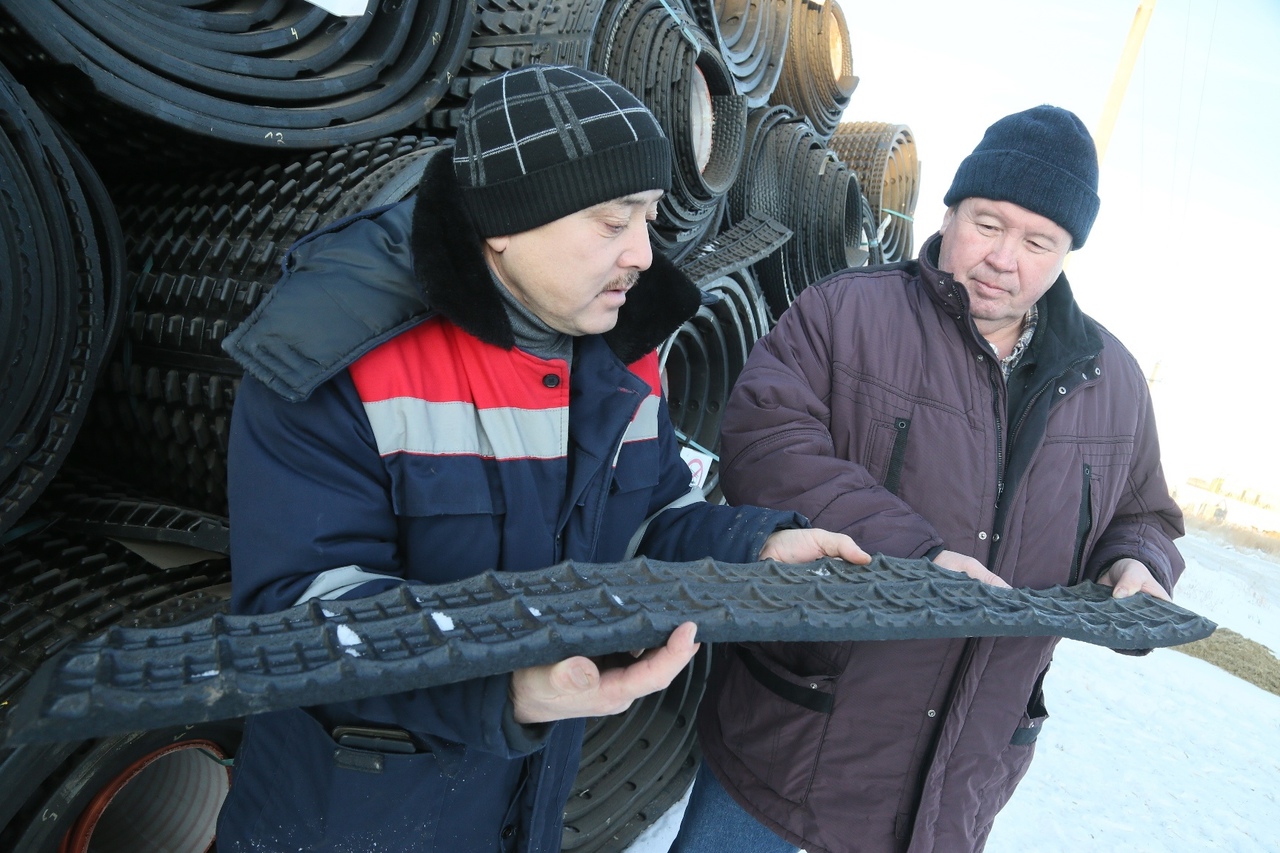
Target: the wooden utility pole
pixel 1137 31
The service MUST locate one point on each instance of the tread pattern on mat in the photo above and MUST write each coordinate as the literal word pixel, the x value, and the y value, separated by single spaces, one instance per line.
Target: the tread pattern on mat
pixel 418 635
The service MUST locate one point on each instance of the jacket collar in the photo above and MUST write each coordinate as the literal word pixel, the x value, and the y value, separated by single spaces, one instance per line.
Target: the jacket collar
pixel 449 266
pixel 1067 332
pixel 364 279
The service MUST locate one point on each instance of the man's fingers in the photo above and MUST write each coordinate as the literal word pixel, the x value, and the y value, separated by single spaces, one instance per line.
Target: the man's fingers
pixel 842 546
pixel 576 687
pixel 801 545
pixel 574 675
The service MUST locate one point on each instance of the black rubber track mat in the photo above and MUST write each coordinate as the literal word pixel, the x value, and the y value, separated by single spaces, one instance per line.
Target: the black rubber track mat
pixel 258 73
pixel 420 636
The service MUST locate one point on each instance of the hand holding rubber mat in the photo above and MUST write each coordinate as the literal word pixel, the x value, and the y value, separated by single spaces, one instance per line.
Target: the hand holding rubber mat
pixel 417 635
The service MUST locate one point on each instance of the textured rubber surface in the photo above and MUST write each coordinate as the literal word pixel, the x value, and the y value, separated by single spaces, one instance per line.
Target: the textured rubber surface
pixel 736 248
pixel 61 262
pixel 811 82
pixel 419 636
pixel 635 765
pixel 84 502
pixel 702 360
pixel 270 75
pixel 59 590
pixel 884 156
pixel 202 254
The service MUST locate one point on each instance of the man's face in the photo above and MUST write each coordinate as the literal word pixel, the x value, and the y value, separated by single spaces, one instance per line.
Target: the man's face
pixel 574 272
pixel 1005 256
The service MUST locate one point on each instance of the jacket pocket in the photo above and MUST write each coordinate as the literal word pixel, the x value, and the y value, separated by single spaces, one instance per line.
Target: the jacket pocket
pixel 1084 521
pixel 886 451
pixel 294 787
pixel 775 721
pixel 458 493
pixel 1035 715
pixel 636 468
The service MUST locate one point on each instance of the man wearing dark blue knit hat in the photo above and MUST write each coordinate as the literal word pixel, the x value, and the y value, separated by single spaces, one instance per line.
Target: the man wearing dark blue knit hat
pixel 461 382
pixel 959 407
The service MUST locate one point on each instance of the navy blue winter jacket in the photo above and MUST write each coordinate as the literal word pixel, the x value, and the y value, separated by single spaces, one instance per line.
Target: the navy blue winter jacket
pixel 387 430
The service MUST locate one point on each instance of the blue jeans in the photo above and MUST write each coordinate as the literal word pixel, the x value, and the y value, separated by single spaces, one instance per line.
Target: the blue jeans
pixel 715 823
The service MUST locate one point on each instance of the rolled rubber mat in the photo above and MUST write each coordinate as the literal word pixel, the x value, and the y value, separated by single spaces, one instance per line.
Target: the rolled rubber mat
pixel 417 635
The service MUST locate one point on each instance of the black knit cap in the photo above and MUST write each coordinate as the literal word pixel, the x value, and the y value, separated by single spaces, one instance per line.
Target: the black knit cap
pixel 1042 159
pixel 544 141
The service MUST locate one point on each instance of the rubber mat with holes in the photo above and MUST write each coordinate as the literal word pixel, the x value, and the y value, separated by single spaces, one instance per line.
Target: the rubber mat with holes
pixel 416 636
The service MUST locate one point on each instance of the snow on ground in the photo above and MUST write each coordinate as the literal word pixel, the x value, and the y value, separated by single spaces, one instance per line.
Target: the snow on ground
pixel 1158 754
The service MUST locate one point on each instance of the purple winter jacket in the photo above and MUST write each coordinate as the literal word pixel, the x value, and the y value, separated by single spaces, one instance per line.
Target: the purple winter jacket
pixel 875 408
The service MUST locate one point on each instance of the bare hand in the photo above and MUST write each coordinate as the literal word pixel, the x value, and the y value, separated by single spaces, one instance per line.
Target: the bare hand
pixel 576 687
pixel 1128 576
pixel 956 562
pixel 800 545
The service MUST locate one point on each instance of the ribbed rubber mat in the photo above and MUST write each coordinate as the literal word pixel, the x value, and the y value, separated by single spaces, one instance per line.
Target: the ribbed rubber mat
pixel 735 249
pixel 419 636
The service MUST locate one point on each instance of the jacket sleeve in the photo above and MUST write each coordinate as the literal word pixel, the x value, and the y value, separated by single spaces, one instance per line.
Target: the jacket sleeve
pixel 311 516
pixel 683 526
pixel 776 440
pixel 1146 520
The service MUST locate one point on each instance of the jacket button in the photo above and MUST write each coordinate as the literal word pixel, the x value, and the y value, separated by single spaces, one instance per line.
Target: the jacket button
pixel 982 534
pixel 932 713
pixel 508 831
pixel 551 380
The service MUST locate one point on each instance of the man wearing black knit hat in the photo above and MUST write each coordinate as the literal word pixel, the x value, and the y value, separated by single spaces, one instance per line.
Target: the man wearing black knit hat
pixel 959 407
pixel 460 382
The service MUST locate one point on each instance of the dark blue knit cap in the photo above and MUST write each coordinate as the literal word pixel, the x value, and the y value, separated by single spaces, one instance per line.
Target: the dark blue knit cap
pixel 545 141
pixel 1042 159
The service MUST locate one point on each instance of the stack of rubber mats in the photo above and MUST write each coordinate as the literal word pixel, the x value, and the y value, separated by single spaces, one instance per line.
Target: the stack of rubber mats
pixel 419 636
pixel 752 36
pixel 817 78
pixel 186 82
pixel 791 176
pixel 61 264
pixel 701 363
pixel 884 156
pixel 201 255
pixel 661 54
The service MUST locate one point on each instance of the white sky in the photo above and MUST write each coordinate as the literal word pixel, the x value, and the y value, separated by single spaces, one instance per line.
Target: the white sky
pixel 1178 263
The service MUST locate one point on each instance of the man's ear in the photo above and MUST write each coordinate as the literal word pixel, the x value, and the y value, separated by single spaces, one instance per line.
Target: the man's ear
pixel 497 245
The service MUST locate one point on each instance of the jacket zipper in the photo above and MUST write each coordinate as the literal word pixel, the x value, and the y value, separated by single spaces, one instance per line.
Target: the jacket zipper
pixel 1085 523
pixel 898 456
pixel 1013 437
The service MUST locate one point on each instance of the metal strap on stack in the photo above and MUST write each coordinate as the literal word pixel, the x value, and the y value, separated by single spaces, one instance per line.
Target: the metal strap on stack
pixel 201 257
pixel 752 36
pixel 417 636
pixel 61 264
pixel 884 156
pixel 263 73
pixel 817 73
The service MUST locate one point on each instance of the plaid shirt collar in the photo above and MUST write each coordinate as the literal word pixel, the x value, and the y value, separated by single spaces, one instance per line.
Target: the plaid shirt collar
pixel 1008 363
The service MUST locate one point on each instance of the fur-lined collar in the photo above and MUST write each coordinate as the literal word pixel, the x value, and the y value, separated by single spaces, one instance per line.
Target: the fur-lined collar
pixel 449 265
